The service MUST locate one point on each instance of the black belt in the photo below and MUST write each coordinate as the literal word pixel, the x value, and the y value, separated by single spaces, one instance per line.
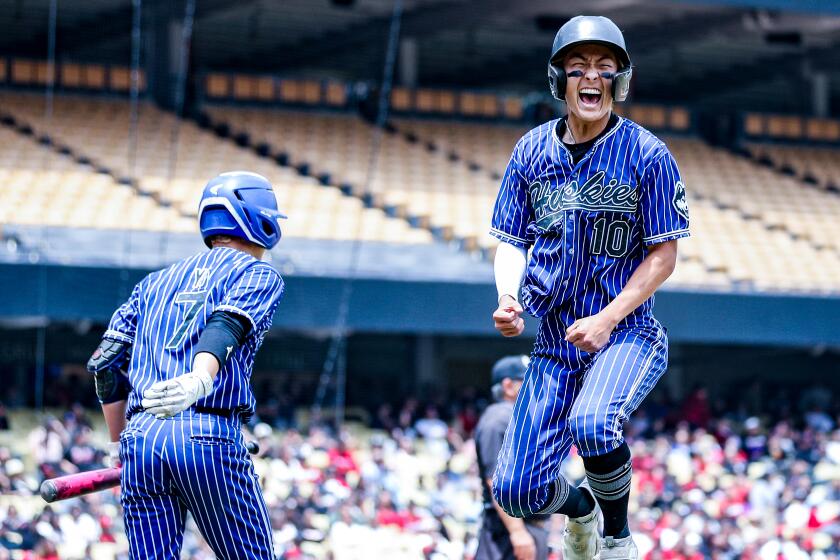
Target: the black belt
pixel 225 412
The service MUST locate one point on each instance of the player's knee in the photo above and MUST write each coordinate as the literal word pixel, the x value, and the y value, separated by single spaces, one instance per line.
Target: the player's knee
pixel 589 431
pixel 512 495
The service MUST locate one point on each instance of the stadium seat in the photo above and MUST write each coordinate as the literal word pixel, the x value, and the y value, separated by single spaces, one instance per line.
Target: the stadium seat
pixel 789 127
pixel 426 101
pixel 822 130
pixel 746 228
pixel 818 164
pixel 512 108
pixel 26 72
pixel 71 75
pixel 336 94
pixel 754 124
pixel 401 99
pixel 40 186
pixel 752 225
pixel 217 85
pixel 175 173
pixel 679 119
pixel 120 79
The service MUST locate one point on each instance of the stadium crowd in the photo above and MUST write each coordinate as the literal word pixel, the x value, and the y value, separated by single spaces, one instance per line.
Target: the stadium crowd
pixel 761 481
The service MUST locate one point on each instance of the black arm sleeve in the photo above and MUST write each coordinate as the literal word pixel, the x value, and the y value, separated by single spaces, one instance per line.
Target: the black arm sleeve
pixel 224 333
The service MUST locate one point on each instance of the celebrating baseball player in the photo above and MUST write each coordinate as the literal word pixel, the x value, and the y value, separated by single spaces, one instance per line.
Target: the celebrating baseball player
pixel 599 202
pixel 187 337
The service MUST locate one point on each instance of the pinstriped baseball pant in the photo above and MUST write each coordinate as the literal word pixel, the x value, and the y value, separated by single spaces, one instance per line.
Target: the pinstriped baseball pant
pixel 197 463
pixel 573 397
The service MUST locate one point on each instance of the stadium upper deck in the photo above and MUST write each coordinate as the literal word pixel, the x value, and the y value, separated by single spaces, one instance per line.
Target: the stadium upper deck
pixel 754 227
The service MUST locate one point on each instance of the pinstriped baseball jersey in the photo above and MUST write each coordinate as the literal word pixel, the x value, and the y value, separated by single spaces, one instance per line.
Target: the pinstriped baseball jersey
pixel 588 223
pixel 167 311
pixel 195 461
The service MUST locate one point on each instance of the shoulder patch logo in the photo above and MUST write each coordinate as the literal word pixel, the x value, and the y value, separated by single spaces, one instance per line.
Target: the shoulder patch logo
pixel 679 202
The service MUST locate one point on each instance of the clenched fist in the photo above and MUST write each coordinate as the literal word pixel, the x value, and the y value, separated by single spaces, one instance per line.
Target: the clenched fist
pixel 592 333
pixel 507 317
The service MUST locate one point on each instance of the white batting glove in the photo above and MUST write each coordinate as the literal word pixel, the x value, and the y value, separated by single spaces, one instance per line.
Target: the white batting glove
pixel 168 398
pixel 113 459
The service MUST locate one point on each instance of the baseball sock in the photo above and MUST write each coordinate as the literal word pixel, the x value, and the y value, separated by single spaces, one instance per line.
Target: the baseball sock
pixel 609 478
pixel 567 499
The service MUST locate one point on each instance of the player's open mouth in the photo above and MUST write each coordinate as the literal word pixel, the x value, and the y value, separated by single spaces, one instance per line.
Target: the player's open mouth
pixel 589 97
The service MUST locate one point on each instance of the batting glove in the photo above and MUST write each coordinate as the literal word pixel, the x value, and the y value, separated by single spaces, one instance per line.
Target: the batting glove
pixel 168 398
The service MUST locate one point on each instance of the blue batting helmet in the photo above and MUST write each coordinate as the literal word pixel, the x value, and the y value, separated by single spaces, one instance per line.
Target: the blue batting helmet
pixel 240 204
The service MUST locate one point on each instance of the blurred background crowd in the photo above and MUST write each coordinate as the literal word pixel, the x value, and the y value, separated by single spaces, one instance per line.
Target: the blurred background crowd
pixel 760 481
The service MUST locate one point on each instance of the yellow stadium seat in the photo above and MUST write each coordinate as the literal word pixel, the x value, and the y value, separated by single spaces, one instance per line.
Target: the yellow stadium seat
pixel 217 85
pixel 754 124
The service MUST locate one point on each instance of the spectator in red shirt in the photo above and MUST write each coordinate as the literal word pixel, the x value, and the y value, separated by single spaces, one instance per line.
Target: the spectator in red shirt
pixel 696 409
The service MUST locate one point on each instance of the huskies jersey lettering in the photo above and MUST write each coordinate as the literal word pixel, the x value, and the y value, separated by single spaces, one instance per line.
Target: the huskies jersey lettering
pixel 588 224
pixel 168 310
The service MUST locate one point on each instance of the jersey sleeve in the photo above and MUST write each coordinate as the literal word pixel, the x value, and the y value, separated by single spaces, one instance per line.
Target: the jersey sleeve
pixel 123 324
pixel 662 202
pixel 512 212
pixel 255 295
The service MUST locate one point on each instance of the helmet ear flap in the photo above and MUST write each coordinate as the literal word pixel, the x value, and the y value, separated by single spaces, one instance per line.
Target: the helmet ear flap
pixel 270 228
pixel 621 84
pixel 557 82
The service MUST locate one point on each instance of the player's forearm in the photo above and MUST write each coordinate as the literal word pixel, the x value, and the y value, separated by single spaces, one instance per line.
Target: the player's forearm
pixel 114 418
pixel 205 361
pixel 509 268
pixel 511 523
pixel 224 333
pixel 645 280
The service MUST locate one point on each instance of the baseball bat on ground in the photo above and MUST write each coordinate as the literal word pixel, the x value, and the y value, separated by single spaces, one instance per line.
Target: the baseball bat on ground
pixel 79 484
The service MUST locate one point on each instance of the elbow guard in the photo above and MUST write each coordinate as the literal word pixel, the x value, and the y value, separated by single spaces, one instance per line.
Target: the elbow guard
pixel 107 364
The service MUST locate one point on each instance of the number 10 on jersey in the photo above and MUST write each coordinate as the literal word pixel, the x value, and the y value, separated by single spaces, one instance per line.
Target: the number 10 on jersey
pixel 610 237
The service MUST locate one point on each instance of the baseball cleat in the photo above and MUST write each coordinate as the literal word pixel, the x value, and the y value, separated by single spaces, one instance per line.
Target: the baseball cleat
pixel 619 549
pixel 581 540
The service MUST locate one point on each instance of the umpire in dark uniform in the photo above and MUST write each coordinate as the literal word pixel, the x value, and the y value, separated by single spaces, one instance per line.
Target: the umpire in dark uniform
pixel 503 537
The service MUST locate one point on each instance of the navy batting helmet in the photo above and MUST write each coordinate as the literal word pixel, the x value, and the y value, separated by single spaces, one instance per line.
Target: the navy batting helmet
pixel 589 29
pixel 240 204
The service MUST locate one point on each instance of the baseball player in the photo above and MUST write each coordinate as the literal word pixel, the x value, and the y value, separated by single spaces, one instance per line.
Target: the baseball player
pixel 192 331
pixel 503 537
pixel 600 204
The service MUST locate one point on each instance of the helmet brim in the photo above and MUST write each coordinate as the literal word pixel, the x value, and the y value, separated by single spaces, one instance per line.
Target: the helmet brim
pixel 620 54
